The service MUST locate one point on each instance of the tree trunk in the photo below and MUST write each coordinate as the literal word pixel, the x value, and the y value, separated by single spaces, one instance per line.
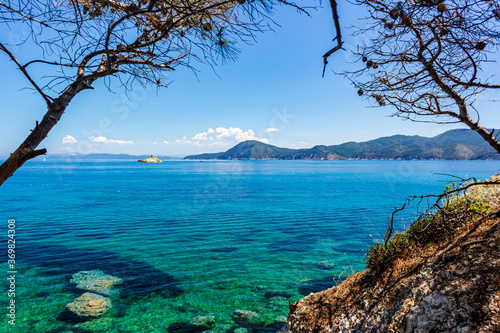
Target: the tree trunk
pixel 485 134
pixel 26 150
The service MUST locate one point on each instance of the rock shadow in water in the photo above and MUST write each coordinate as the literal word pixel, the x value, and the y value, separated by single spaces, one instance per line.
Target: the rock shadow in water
pixel 69 329
pixel 71 318
pixel 138 277
pixel 301 243
pixel 270 294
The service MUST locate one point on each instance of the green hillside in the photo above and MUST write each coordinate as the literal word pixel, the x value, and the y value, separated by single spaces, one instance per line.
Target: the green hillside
pixel 451 145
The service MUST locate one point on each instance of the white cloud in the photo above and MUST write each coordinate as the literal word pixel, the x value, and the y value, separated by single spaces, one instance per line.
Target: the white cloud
pixel 184 140
pixel 165 142
pixel 201 136
pixel 103 139
pixel 222 136
pixel 235 134
pixel 68 139
pixel 271 129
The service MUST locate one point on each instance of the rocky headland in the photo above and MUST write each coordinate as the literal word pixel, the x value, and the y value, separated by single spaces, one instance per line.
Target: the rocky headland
pixel 441 275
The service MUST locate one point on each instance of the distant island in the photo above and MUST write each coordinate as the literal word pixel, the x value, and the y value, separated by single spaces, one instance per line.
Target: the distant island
pixel 105 156
pixel 150 159
pixel 455 144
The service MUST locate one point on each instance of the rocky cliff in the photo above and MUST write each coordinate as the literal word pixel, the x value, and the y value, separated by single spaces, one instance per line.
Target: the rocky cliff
pixel 446 281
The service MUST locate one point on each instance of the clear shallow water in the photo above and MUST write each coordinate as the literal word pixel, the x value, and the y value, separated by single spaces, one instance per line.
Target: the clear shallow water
pixel 193 239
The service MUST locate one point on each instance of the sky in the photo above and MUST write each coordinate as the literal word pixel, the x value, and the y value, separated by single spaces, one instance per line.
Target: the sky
pixel 273 92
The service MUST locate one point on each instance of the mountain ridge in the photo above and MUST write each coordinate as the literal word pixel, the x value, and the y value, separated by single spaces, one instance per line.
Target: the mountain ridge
pixel 457 144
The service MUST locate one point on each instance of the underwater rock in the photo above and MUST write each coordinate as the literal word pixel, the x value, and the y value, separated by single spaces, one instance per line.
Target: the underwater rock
pixel 241 330
pixel 247 318
pixel 151 159
pixel 281 319
pixel 95 281
pixel 89 305
pixel 203 322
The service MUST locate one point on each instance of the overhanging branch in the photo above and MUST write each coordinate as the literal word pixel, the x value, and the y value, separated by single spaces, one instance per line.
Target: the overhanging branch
pixel 338 35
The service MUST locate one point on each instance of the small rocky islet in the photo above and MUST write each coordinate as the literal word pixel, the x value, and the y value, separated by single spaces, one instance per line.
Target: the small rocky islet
pixel 150 159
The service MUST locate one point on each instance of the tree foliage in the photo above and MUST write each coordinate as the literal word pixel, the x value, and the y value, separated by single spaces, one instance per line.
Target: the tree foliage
pixel 427 58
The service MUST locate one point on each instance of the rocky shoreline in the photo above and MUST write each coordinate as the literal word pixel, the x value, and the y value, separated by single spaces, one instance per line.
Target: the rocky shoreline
pixel 448 286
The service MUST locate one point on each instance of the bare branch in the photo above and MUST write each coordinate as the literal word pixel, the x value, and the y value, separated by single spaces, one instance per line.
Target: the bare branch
pixel 23 70
pixel 28 17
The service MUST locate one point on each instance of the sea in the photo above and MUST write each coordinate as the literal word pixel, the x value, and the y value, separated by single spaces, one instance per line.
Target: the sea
pixel 224 243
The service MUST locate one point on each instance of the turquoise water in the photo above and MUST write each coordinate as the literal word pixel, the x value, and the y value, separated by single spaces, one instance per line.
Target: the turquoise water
pixel 195 239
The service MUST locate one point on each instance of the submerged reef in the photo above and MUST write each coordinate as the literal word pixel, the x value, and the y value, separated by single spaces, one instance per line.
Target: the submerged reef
pixel 90 305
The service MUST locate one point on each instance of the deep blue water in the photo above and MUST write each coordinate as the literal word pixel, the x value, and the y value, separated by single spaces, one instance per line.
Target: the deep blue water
pixel 192 239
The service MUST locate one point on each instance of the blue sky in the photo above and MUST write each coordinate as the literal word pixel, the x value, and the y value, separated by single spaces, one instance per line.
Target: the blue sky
pixel 273 92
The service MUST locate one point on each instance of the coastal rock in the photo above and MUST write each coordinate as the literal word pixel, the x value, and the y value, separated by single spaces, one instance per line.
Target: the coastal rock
pixel 247 318
pixel 90 305
pixel 95 281
pixel 451 286
pixel 150 159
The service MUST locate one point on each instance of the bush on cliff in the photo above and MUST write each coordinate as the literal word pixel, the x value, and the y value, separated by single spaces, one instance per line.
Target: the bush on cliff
pixel 455 208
